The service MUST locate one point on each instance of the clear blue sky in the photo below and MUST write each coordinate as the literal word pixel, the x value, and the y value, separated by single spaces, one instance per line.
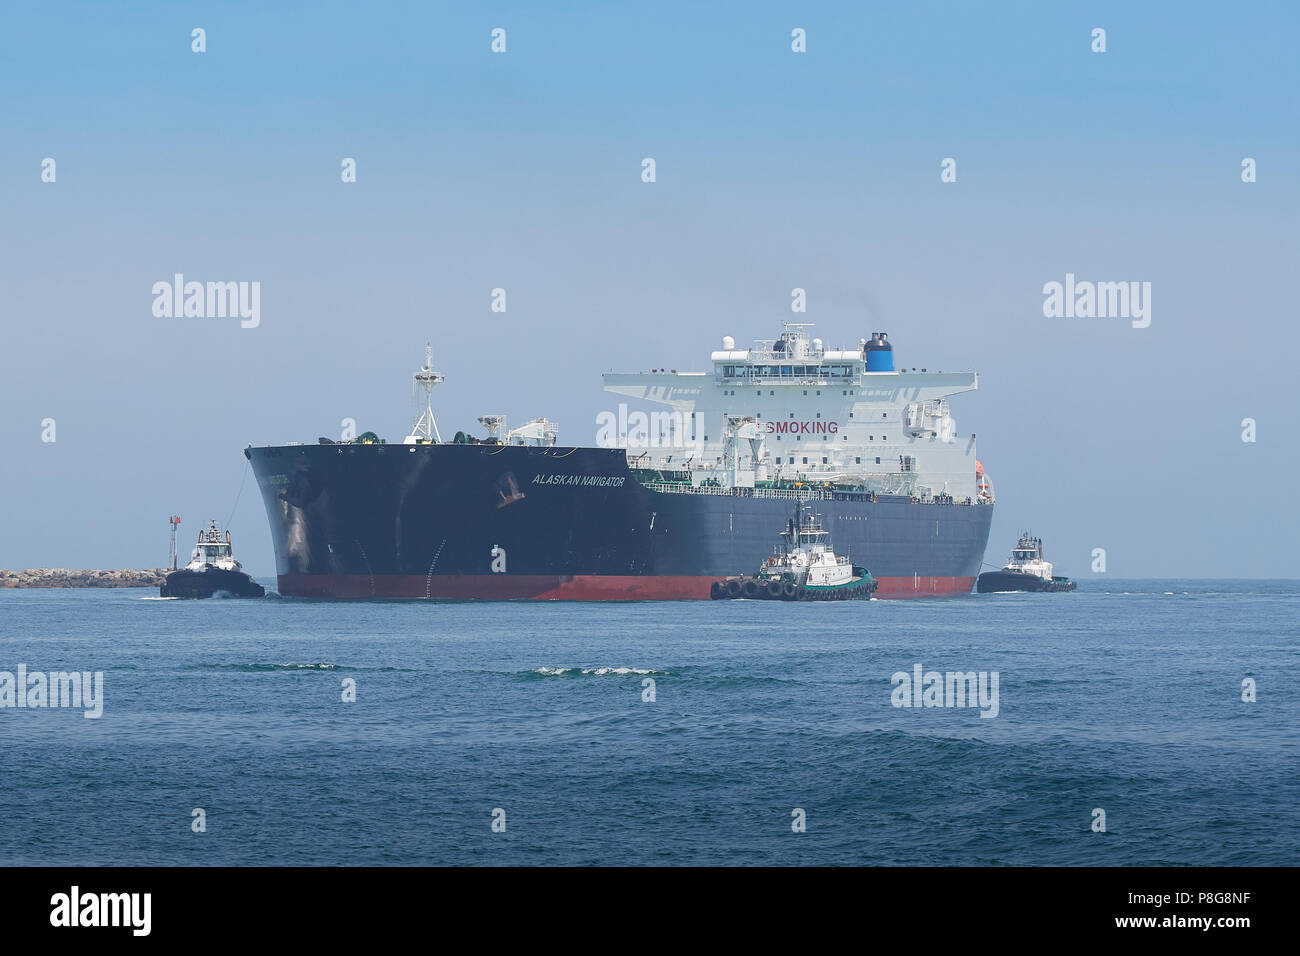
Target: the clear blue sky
pixel 775 170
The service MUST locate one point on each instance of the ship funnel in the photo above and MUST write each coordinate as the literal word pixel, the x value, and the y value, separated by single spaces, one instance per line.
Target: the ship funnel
pixel 880 354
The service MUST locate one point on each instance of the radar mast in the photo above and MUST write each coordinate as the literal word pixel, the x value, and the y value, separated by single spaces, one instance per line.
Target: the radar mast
pixel 425 430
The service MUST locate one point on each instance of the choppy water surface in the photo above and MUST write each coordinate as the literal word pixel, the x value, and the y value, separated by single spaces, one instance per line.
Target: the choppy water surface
pixel 1124 696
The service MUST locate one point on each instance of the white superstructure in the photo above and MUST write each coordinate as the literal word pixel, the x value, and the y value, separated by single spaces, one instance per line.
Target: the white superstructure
pixel 212 551
pixel 792 410
pixel 1027 558
pixel 807 558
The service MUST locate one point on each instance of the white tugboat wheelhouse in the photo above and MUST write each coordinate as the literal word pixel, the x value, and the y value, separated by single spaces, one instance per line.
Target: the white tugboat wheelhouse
pixel 1027 558
pixel 213 551
pixel 806 557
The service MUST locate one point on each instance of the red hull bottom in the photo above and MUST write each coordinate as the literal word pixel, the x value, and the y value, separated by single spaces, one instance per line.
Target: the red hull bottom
pixel 559 587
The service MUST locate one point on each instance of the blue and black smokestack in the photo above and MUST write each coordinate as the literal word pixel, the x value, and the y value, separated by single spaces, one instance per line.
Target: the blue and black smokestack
pixel 880 354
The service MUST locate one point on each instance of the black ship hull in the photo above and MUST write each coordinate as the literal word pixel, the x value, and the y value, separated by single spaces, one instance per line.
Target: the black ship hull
pixel 993 581
pixel 452 521
pixel 208 582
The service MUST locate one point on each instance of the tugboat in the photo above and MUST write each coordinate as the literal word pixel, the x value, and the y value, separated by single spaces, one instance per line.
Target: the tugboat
pixel 802 568
pixel 1026 571
pixel 212 570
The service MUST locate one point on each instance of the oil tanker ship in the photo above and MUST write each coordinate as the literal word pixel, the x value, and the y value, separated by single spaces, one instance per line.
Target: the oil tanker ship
pixel 663 504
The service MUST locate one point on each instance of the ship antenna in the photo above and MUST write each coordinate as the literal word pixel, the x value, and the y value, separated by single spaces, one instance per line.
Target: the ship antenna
pixel 426 428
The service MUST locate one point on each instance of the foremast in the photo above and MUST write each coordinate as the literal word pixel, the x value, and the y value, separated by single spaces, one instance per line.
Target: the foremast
pixel 425 429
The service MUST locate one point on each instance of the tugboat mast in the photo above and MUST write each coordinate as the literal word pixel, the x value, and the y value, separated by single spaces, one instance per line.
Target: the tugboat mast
pixel 425 430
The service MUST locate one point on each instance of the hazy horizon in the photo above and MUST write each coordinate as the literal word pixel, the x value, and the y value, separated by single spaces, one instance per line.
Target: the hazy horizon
pixel 774 170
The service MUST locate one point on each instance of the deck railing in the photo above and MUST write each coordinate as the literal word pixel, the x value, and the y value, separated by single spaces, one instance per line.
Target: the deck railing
pixel 803 494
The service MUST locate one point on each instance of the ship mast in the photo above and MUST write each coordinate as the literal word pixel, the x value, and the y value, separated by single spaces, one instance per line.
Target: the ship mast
pixel 174 520
pixel 425 429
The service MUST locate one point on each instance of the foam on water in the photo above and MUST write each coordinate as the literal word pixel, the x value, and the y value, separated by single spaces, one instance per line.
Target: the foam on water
pixel 596 671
